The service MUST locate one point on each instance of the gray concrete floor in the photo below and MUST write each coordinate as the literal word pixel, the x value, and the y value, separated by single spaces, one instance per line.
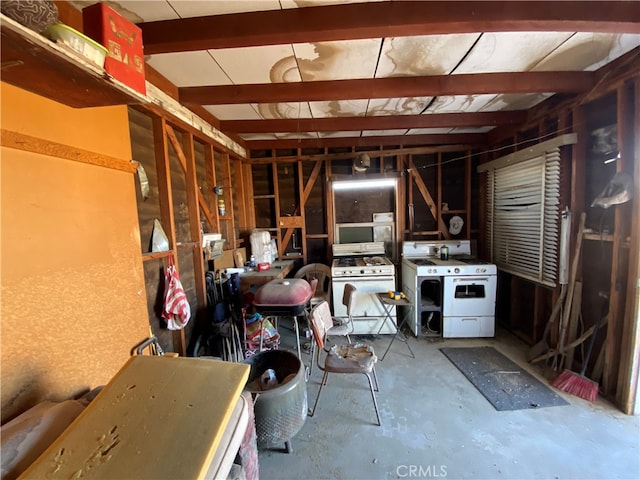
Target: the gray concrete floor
pixel 435 424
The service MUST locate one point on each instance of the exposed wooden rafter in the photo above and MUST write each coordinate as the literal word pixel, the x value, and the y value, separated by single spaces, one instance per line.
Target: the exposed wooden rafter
pixel 395 87
pixel 385 19
pixel 344 124
pixel 437 139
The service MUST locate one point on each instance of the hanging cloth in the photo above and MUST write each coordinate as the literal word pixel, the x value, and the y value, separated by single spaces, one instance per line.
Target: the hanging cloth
pixel 176 310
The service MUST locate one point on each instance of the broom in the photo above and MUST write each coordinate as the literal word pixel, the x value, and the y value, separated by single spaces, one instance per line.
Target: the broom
pixel 577 383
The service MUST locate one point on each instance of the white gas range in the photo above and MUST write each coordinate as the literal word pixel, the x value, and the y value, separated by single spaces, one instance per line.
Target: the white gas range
pixel 452 297
pixel 365 266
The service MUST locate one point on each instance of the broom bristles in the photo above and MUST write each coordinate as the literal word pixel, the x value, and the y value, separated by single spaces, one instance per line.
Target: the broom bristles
pixel 577 385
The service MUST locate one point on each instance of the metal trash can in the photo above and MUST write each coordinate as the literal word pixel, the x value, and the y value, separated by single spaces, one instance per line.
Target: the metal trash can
pixel 281 411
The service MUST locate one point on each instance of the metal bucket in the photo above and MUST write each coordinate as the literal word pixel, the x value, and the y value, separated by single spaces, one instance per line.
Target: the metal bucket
pixel 281 411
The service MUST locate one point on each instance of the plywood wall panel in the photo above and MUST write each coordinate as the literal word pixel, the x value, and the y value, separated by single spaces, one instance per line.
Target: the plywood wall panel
pixel 73 296
pixel 103 130
pixel 72 284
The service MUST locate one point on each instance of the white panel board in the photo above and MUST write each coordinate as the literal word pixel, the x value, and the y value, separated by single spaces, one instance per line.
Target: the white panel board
pixel 188 69
pixel 514 101
pixel 317 3
pixel 285 135
pixel 258 136
pixel 511 51
pixel 337 60
pixel 339 108
pixel 460 103
pixel 339 134
pixel 428 131
pixel 588 51
pixel 423 55
pixel 291 110
pixel 234 112
pixel 472 129
pixel 397 106
pixel 376 133
pixel 268 64
pixel 187 8
pixel 137 11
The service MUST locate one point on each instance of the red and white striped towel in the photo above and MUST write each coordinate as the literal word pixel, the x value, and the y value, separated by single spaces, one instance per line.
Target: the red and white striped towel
pixel 176 310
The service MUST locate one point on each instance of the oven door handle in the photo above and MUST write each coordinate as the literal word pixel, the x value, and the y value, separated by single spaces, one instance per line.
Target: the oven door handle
pixel 471 279
pixel 355 280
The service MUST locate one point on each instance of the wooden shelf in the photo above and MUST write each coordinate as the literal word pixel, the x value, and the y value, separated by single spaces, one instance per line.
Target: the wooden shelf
pixel 259 197
pixel 155 255
pixel 34 63
pixel 605 238
pixel 454 212
pixel 598 237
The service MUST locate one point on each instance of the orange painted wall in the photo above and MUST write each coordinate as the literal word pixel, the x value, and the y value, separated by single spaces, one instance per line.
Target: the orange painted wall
pixel 73 296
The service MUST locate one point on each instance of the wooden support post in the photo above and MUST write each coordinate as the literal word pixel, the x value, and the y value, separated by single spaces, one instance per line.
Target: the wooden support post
pixel 400 208
pixel 618 264
pixel 183 163
pixel 630 349
pixel 163 168
pixel 439 220
pixel 249 221
pixel 303 228
pixel 276 193
pixel 227 193
pixel 467 189
pixel 328 201
pixel 410 199
pixel 191 183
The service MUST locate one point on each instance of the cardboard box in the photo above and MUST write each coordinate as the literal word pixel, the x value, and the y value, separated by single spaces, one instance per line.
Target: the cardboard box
pixel 123 39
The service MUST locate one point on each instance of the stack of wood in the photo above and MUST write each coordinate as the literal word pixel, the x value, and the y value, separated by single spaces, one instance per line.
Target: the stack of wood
pixel 568 312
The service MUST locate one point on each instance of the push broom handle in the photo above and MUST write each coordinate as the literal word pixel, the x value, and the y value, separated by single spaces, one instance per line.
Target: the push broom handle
pixel 587 356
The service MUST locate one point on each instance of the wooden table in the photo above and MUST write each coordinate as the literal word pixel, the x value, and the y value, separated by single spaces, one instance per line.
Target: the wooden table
pixel 279 269
pixel 158 418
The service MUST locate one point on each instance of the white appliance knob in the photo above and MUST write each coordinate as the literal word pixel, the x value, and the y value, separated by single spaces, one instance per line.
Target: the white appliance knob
pixel 456 270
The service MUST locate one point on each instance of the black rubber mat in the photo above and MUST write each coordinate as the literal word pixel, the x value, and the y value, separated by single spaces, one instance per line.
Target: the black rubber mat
pixel 502 382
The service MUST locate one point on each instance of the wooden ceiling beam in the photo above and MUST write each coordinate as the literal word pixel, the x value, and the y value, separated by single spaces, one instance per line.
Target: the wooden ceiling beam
pixel 386 20
pixel 344 124
pixel 394 87
pixel 373 152
pixel 464 139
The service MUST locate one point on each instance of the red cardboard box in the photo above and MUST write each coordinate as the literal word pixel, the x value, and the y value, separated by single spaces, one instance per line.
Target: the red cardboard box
pixel 123 39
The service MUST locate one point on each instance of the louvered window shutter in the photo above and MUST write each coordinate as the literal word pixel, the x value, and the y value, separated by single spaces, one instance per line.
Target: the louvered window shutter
pixel 523 205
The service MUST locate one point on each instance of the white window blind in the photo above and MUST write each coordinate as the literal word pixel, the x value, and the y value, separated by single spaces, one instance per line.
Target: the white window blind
pixel 522 205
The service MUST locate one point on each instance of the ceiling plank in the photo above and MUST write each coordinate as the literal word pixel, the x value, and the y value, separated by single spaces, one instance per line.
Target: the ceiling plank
pixel 395 87
pixel 463 139
pixel 386 19
pixel 345 124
